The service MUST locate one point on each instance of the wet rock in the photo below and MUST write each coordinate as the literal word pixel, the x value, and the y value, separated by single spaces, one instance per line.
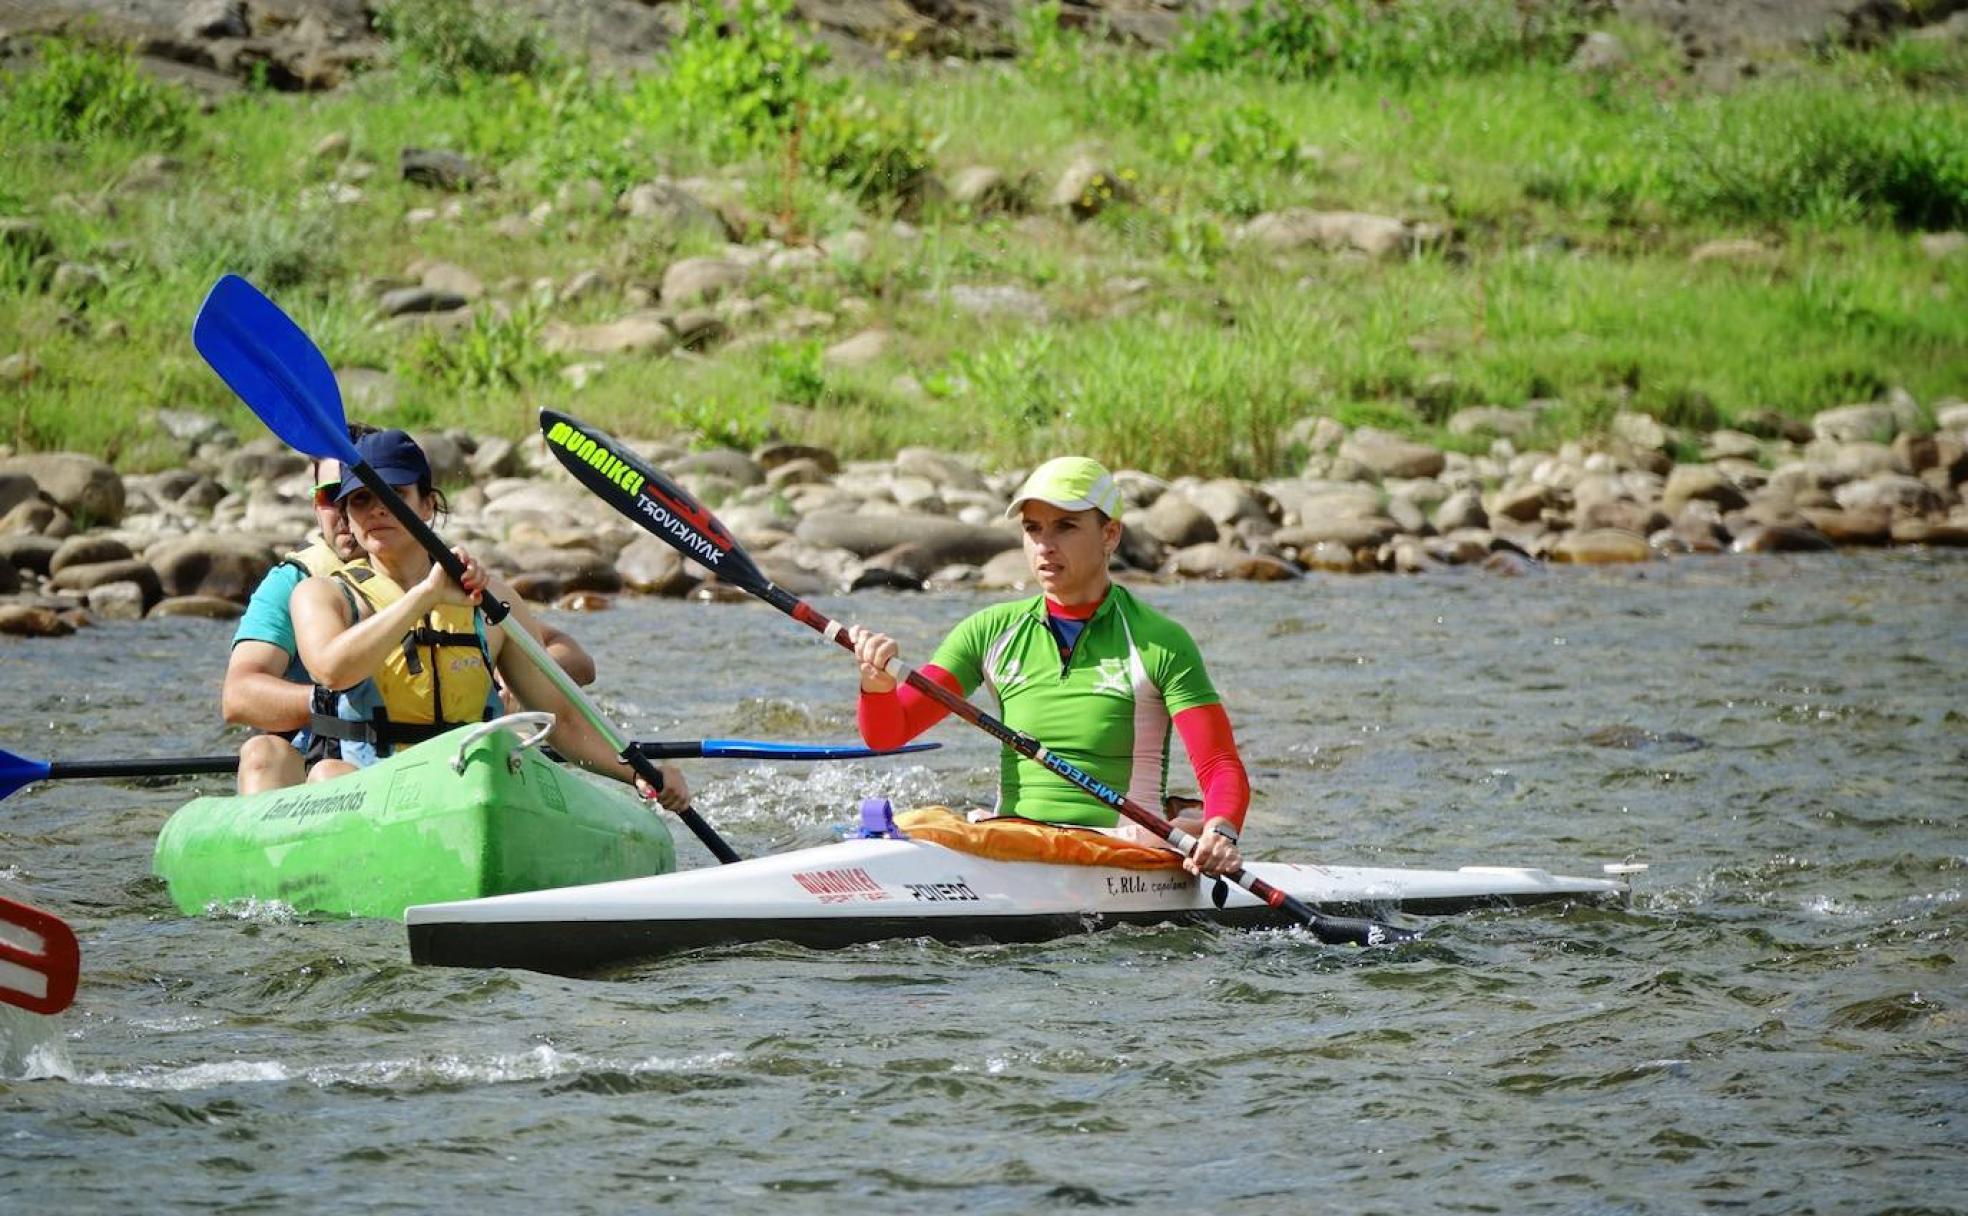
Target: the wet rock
pixel 1462 509
pixel 1622 515
pixel 1942 451
pixel 1174 520
pixel 1873 526
pixel 203 607
pixel 1523 503
pixel 221 566
pixel 535 586
pixel 651 567
pixel 1508 563
pixel 1942 534
pixel 29 552
pixel 1008 571
pixel 82 486
pixel 1138 549
pixel 584 601
pixel 1220 561
pixel 1354 532
pixel 1778 538
pixel 1896 492
pixel 122 601
pixel 946 540
pixel 1332 557
pixel 89 548
pixel 1466 548
pixel 576 569
pixel 32 621
pixel 1700 482
pixel 97 574
pixel 10 579
pixel 1601 546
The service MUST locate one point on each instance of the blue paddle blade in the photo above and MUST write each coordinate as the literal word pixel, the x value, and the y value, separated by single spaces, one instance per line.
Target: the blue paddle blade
pixel 275 368
pixel 16 771
pixel 752 749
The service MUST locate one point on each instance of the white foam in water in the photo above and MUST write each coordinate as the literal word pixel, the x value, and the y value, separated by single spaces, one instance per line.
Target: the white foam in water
pixel 262 911
pixel 542 1063
pixel 31 1047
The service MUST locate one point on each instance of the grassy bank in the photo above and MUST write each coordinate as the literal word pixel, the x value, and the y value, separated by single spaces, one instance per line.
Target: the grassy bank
pixel 1575 201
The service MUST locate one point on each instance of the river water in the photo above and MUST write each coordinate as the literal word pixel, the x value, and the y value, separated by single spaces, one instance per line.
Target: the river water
pixel 1779 1024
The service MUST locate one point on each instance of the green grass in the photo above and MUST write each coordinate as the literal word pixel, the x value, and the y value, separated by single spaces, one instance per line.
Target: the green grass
pixel 1576 203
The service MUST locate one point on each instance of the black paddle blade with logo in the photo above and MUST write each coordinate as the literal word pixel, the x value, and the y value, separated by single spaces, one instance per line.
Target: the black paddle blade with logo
pixel 613 471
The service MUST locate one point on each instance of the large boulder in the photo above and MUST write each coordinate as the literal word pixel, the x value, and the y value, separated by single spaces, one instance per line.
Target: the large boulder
pixel 88 548
pixel 220 566
pixel 1601 546
pixel 1700 483
pixel 98 574
pixel 86 488
pixel 652 567
pixel 1390 455
pixel 1174 520
pixel 945 540
pixel 1220 561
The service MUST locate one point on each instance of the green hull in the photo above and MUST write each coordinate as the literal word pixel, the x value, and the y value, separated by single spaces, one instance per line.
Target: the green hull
pixel 413 830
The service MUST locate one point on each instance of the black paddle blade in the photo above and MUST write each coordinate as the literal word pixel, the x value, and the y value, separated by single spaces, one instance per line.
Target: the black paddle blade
pixel 613 471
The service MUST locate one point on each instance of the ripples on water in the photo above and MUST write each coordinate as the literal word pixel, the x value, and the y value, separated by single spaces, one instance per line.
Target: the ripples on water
pixel 1777 1026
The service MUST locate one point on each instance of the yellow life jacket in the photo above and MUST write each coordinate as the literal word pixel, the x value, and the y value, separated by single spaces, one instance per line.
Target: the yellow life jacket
pixel 439 677
pixel 318 560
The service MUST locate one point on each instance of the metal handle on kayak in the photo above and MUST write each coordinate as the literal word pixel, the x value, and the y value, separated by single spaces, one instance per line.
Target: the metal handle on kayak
pixel 541 721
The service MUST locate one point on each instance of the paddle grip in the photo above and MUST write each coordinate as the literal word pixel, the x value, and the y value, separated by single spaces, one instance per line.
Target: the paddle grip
pixel 491 606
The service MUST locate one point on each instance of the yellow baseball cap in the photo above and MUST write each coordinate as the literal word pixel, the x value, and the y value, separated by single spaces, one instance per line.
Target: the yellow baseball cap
pixel 1071 483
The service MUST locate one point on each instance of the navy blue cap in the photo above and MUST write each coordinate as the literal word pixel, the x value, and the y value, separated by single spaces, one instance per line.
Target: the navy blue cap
pixel 394 455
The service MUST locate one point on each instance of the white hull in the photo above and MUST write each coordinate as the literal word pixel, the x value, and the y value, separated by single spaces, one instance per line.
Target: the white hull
pixel 871 890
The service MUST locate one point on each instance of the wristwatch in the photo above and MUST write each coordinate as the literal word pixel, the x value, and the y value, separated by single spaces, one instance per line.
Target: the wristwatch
pixel 1223 829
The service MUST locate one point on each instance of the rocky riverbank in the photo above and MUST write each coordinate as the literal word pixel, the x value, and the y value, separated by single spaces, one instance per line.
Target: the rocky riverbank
pixel 80 544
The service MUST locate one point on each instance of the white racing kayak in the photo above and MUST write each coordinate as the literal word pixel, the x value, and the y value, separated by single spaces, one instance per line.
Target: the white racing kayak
pixel 871 890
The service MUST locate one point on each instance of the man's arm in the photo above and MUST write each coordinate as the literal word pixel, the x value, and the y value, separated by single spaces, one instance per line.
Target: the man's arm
pixel 257 693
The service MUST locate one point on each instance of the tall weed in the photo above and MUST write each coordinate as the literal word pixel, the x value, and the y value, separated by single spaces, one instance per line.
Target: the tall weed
pixel 442 45
pixel 1397 39
pixel 79 93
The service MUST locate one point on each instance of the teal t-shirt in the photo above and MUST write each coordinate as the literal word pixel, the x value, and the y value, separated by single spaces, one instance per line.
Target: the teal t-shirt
pixel 268 619
pixel 1107 708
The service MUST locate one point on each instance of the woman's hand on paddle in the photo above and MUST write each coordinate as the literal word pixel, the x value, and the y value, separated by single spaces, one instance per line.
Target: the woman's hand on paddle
pixel 1214 855
pixel 675 795
pixel 439 586
pixel 875 651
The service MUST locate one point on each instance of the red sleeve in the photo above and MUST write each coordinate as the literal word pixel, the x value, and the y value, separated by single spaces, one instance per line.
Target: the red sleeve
pixel 890 719
pixel 1212 749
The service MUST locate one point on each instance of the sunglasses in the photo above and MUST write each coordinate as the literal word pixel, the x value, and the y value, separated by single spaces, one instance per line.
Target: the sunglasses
pixel 326 489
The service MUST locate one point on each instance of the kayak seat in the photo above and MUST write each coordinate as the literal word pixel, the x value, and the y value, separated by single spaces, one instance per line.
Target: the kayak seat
pixel 1010 839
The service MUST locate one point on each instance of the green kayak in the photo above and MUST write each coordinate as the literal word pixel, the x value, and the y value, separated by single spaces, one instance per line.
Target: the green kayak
pixel 456 817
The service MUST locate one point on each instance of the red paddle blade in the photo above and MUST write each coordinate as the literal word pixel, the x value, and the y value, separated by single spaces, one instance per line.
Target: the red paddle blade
pixel 39 959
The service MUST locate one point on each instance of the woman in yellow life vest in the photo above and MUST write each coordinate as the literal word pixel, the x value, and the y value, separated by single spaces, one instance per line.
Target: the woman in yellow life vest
pixel 404 649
